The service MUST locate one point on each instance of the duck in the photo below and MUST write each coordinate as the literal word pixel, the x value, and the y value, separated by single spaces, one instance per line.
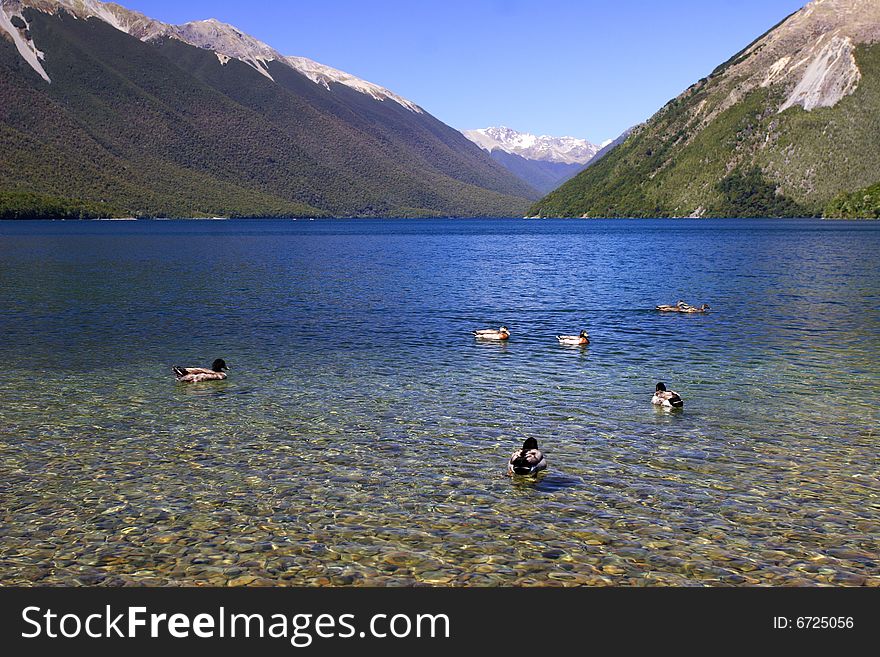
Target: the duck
pixel 527 461
pixel 682 307
pixel 198 374
pixel 493 334
pixel 581 339
pixel 666 398
pixel 677 308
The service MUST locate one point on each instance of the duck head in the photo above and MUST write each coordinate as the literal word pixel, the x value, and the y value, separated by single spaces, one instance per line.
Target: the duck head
pixel 529 444
pixel 661 387
pixel 219 365
pixel 583 335
pixel 504 329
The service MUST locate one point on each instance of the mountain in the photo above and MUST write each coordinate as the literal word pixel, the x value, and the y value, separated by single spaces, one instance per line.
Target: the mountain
pixel 542 175
pixel 566 150
pixel 789 126
pixel 543 162
pixel 105 111
pixel 609 146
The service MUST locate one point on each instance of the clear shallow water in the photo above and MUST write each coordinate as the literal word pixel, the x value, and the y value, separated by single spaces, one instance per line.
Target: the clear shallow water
pixel 363 434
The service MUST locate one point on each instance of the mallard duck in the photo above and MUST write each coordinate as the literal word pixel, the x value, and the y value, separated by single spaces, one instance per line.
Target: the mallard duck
pixel 581 339
pixel 682 307
pixel 199 374
pixel 677 308
pixel 666 398
pixel 493 334
pixel 527 461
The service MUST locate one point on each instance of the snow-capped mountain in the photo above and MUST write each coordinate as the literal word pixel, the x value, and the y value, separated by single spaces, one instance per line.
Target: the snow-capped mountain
pixel 227 41
pixel 566 150
pixel 542 161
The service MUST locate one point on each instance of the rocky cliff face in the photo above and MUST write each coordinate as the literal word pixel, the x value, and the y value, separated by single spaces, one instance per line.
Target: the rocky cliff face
pixel 810 57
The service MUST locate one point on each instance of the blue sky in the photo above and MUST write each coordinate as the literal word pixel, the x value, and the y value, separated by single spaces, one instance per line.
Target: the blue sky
pixel 585 68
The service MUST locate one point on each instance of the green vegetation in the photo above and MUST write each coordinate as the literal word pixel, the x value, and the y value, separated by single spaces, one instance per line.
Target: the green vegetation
pixel 165 130
pixel 750 195
pixel 749 159
pixel 24 205
pixel 863 204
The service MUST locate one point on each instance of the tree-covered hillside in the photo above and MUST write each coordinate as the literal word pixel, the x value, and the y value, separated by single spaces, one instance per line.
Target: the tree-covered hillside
pixel 724 149
pixel 165 129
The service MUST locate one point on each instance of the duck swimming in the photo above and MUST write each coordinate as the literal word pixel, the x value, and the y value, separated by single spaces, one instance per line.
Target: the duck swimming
pixel 527 461
pixel 581 339
pixel 666 398
pixel 199 374
pixel 677 308
pixel 682 307
pixel 493 334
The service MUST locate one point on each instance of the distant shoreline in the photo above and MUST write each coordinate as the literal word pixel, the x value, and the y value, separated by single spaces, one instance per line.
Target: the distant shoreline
pixel 358 218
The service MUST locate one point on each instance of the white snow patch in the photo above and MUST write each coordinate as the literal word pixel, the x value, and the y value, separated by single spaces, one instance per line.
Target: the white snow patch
pixel 224 60
pixel 483 140
pixel 26 47
pixel 831 75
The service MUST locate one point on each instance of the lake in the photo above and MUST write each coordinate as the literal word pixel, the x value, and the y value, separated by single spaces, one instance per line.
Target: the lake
pixel 362 435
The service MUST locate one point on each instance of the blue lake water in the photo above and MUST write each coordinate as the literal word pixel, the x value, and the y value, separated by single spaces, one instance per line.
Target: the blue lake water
pixel 363 434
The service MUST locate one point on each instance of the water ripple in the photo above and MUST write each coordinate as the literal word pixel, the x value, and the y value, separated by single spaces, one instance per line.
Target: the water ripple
pixel 362 436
